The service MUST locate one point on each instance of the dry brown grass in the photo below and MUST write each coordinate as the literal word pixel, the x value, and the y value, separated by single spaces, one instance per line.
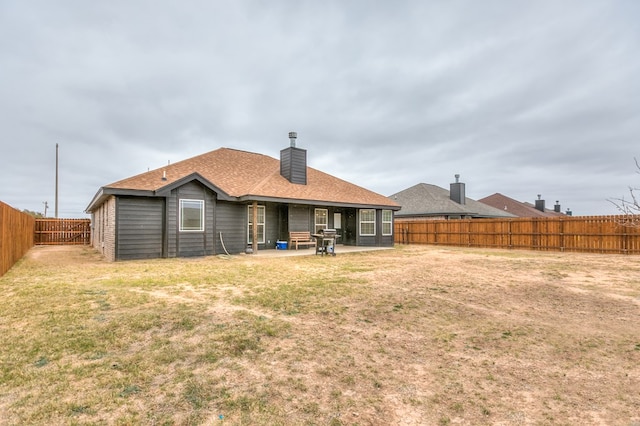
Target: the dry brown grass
pixel 415 335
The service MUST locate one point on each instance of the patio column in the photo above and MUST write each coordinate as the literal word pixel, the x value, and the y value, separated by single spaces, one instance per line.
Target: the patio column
pixel 254 231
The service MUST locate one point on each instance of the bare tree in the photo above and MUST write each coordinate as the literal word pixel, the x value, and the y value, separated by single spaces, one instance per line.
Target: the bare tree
pixel 629 208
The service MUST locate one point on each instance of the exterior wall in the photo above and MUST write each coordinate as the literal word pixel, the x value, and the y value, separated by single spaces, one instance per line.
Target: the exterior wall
pixel 272 231
pixel 129 227
pixel 377 240
pixel 299 218
pixel 385 240
pixel 103 232
pixel 186 244
pixel 139 228
pixel 231 223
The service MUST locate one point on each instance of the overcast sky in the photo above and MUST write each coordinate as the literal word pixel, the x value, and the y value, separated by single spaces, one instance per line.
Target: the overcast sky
pixel 518 97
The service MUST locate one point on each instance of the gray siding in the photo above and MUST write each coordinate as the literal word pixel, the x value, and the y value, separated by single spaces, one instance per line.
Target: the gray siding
pixel 186 244
pixel 148 227
pixel 272 227
pixel 231 221
pixel 293 165
pixel 139 227
pixel 377 240
pixel 171 241
pixel 299 218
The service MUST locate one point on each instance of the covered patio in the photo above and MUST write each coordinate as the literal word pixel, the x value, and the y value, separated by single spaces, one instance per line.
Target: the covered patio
pixel 340 249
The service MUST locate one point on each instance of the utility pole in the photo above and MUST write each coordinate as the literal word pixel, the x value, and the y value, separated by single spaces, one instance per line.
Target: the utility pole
pixel 56 181
pixel 46 206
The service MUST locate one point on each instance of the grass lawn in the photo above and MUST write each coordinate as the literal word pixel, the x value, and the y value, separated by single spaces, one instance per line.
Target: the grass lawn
pixel 413 335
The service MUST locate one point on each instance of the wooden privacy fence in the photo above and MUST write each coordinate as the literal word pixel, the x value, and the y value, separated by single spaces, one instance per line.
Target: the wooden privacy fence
pixel 63 231
pixel 16 236
pixel 589 234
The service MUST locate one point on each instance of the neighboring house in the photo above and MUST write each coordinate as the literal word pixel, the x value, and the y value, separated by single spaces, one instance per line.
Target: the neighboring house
pixel 520 209
pixel 430 201
pixel 205 205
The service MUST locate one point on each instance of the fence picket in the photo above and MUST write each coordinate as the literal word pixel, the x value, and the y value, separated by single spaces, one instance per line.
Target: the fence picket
pixel 62 231
pixel 587 234
pixel 16 236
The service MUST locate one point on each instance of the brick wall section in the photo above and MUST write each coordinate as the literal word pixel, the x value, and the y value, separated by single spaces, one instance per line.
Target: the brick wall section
pixel 104 229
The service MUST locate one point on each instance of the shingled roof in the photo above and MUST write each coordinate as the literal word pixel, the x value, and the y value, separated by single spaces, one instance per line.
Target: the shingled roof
pixel 243 176
pixel 516 207
pixel 430 200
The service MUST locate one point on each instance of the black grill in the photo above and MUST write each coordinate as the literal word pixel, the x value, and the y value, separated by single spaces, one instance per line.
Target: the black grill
pixel 326 241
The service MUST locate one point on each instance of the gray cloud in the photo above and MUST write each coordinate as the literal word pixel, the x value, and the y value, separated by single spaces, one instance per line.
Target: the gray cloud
pixel 520 98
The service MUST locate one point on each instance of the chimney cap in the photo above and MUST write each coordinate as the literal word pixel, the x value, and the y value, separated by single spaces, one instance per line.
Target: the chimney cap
pixel 292 138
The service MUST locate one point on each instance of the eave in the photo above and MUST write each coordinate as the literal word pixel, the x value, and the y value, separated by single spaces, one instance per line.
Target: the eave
pixel 251 198
pixel 164 191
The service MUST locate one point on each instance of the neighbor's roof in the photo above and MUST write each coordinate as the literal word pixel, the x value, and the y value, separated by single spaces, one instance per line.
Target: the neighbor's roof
pixel 243 176
pixel 516 207
pixel 430 200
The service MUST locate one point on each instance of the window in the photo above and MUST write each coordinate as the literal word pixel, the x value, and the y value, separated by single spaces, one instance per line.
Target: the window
pixel 322 219
pixel 259 223
pixel 387 222
pixel 191 215
pixel 368 222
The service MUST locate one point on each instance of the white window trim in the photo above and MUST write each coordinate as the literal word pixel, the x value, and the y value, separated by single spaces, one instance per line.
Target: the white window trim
pixel 360 222
pixel 264 224
pixel 181 203
pixel 315 218
pixel 390 222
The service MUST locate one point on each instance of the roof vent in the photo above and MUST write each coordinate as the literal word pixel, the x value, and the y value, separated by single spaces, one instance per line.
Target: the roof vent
pixel 164 175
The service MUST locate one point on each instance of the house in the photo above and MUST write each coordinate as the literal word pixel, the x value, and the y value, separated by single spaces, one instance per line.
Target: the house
pixel 425 201
pixel 209 204
pixel 522 209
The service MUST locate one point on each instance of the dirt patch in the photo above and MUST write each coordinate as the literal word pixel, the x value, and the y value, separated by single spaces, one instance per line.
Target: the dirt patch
pixel 416 335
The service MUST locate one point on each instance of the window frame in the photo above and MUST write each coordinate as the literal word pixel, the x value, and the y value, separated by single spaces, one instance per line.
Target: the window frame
pixel 262 224
pixel 387 222
pixel 315 219
pixel 361 222
pixel 181 215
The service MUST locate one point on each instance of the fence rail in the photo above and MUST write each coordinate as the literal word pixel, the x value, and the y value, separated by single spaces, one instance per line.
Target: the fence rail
pixel 16 236
pixel 589 234
pixel 62 231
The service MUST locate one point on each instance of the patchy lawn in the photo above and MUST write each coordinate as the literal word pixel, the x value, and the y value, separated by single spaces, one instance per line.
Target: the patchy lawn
pixel 415 335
